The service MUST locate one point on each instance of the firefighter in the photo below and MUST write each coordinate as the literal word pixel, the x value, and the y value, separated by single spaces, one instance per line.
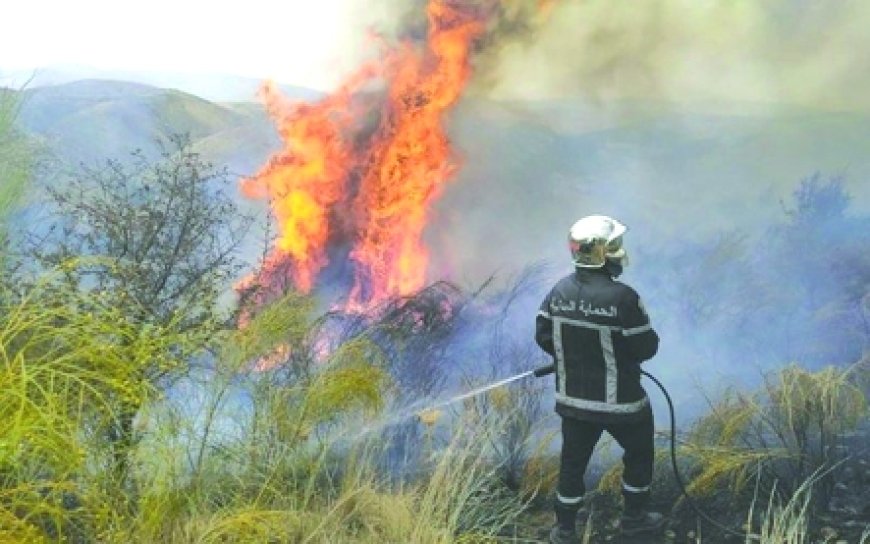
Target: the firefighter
pixel 598 333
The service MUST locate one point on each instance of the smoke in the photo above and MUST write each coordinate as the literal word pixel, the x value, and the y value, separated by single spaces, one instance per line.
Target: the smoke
pixel 706 53
pixel 701 193
pixel 508 23
pixel 809 53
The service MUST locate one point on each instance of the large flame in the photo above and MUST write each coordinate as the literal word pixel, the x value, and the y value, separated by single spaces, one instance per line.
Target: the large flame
pixel 308 177
pixel 410 158
pixel 374 190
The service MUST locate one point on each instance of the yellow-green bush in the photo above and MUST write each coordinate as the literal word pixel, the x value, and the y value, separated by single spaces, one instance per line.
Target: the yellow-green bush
pixel 67 361
pixel 790 428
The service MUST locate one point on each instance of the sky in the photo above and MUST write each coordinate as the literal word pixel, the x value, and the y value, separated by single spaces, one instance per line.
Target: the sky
pixel 301 42
pixel 806 53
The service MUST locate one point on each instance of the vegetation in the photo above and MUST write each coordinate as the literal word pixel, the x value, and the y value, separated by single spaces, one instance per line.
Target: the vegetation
pixel 159 239
pixel 796 424
pixel 266 455
pixel 273 468
pixel 14 157
pixel 136 407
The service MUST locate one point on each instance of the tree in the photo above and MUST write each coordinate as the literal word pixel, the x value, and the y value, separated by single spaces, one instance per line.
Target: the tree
pixel 822 250
pixel 158 237
pixel 162 235
pixel 817 200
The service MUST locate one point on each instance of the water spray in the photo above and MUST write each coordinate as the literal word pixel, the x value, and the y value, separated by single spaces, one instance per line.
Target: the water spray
pixel 430 415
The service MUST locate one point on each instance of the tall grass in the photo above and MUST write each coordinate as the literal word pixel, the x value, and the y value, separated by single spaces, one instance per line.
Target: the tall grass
pixel 788 436
pixel 788 521
pixel 791 428
pixel 261 456
pixel 15 157
pixel 266 456
pixel 322 487
pixel 66 360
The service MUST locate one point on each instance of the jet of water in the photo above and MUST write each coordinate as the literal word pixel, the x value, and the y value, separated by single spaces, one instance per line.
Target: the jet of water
pixel 479 390
pixel 429 414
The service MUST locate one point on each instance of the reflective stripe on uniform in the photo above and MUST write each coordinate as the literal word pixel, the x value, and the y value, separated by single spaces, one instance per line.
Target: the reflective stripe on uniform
pixel 599 406
pixel 560 356
pixel 611 372
pixel 636 330
pixel 569 500
pixel 584 324
pixel 632 489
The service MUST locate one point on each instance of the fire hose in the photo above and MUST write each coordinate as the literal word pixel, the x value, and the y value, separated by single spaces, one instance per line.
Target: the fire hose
pixel 549 369
pixel 429 415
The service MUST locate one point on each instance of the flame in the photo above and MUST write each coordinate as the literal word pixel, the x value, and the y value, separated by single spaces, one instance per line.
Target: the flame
pixel 410 159
pixel 308 176
pixel 334 181
pixel 545 7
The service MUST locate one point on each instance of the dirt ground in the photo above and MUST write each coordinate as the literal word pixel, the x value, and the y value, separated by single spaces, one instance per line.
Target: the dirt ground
pixel 845 521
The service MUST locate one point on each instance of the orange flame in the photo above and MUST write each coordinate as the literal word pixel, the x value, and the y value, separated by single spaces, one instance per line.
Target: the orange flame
pixel 410 158
pixel 383 186
pixel 309 176
pixel 545 7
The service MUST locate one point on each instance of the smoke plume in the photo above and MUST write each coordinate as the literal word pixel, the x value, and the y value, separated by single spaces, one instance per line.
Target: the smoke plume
pixel 808 53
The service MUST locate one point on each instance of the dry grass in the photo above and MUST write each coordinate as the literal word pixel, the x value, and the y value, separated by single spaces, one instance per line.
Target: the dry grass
pixel 274 471
pixel 791 429
pixel 279 467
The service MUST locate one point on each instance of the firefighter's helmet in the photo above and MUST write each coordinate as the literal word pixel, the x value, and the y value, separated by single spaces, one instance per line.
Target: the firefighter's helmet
pixel 596 238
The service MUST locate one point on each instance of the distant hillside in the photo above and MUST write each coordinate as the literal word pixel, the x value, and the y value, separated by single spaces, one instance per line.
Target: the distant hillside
pixel 528 170
pixel 212 87
pixel 89 121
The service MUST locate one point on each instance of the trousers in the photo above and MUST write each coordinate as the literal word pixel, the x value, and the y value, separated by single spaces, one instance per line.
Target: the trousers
pixel 578 442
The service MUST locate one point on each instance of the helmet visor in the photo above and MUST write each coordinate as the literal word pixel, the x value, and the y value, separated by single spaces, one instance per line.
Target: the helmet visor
pixel 615 251
pixel 614 245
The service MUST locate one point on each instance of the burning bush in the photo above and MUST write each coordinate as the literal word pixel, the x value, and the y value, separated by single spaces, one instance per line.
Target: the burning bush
pixel 340 182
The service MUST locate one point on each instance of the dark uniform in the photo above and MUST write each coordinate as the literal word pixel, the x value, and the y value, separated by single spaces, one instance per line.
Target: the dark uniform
pixel 598 333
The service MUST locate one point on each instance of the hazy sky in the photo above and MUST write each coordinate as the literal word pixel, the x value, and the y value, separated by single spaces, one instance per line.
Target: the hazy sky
pixel 303 42
pixel 807 53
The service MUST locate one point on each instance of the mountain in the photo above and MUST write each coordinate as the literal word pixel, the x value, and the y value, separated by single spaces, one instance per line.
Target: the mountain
pixel 92 120
pixel 210 86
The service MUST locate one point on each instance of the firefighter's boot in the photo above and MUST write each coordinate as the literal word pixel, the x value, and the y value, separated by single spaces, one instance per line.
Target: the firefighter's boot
pixel 641 521
pixel 560 535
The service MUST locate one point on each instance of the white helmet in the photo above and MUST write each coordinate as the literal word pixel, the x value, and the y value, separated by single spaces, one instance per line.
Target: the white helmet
pixel 596 238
